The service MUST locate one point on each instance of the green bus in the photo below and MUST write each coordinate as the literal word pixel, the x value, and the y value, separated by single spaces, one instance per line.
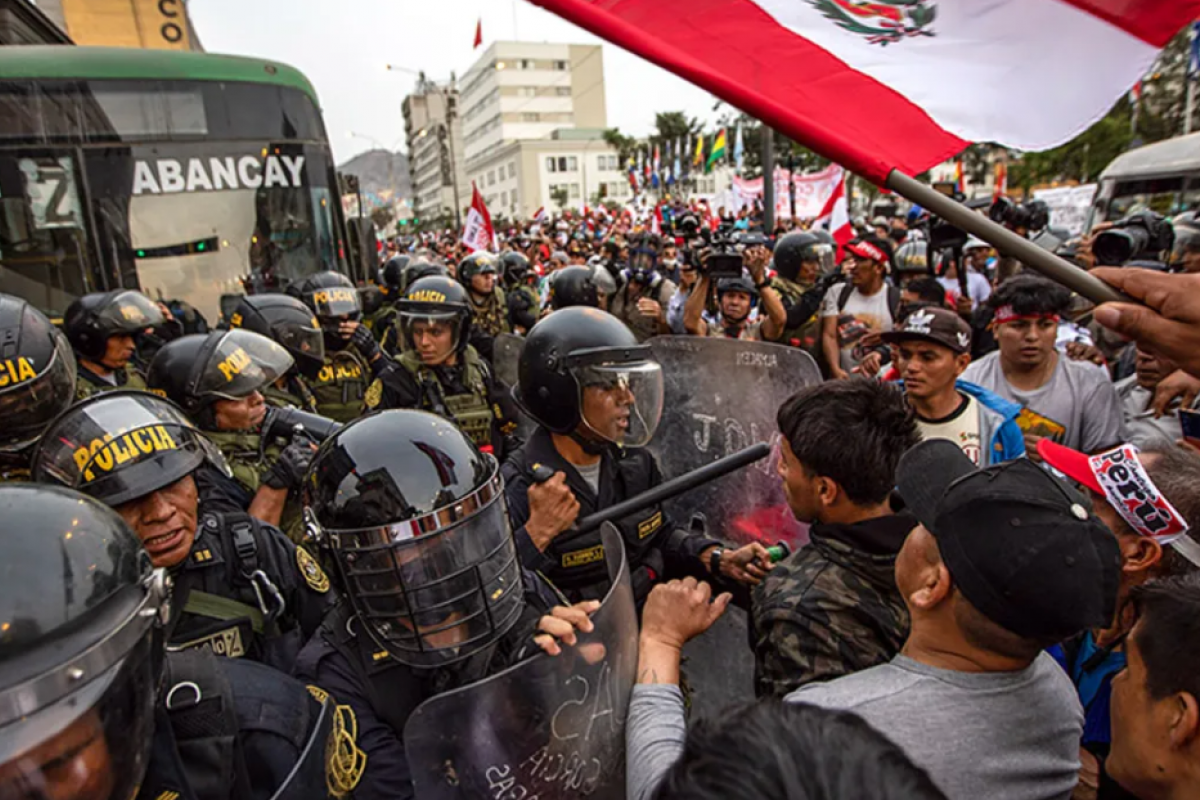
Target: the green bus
pixel 192 177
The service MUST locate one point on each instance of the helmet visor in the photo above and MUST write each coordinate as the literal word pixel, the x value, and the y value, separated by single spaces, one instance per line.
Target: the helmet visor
pixel 241 363
pixel 439 588
pixel 432 336
pixel 824 255
pixel 33 394
pixel 120 447
pixel 621 403
pixel 129 312
pixel 335 301
pixel 302 340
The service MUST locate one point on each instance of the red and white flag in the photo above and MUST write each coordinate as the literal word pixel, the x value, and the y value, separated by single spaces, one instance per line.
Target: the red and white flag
pixel 835 216
pixel 877 86
pixel 478 233
pixel 540 215
pixel 478 34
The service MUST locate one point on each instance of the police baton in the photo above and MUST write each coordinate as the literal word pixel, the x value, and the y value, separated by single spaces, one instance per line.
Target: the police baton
pixel 665 490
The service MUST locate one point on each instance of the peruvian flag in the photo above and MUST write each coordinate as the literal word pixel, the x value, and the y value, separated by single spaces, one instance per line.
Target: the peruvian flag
pixel 478 233
pixel 540 215
pixel 835 216
pixel 877 86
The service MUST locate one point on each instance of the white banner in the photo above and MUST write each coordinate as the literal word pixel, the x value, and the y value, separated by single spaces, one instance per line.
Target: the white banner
pixel 812 192
pixel 1069 206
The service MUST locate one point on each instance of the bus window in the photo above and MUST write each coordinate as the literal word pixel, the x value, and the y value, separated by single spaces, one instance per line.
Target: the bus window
pixel 43 240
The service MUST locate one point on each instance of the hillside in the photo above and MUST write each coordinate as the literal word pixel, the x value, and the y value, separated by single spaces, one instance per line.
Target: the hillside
pixel 371 168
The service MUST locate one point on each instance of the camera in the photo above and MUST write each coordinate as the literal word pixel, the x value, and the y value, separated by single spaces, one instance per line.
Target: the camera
pixel 285 423
pixel 688 225
pixel 1142 236
pixel 1032 215
pixel 724 259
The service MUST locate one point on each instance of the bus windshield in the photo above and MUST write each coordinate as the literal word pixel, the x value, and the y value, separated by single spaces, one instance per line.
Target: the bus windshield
pixel 190 191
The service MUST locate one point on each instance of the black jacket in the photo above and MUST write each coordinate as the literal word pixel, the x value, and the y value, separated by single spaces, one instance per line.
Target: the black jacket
pixel 575 563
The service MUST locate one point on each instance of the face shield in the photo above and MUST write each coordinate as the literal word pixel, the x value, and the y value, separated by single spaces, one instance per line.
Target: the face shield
pixel 439 588
pixel 129 312
pixel 335 302
pixel 621 402
pixel 238 365
pixel 824 255
pixel 92 741
pixel 431 335
pixel 33 394
pixel 122 446
pixel 305 343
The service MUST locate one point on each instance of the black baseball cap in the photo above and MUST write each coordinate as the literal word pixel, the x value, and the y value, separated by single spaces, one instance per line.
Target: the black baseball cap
pixel 932 324
pixel 1022 547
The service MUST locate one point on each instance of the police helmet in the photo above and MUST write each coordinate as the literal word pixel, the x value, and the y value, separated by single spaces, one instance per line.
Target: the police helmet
pixel 119 446
pixel 414 519
pixel 37 373
pixel 194 371
pixel 330 295
pixel 912 258
pixel 289 322
pixel 422 269
pixel 573 286
pixel 431 300
pixel 81 654
pixel 515 267
pixel 480 263
pixel 391 274
pixel 605 282
pixel 92 319
pixel 580 351
pixel 1187 241
pixel 798 248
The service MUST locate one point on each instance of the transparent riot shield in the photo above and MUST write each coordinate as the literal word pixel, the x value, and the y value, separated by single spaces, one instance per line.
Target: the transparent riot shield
pixel 506 355
pixel 544 729
pixel 722 395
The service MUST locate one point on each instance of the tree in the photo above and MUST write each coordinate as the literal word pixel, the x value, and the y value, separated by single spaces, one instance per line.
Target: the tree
pixel 559 196
pixel 626 146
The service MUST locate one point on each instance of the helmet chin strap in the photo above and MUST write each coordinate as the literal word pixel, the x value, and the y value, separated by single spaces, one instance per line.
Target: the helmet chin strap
pixel 589 446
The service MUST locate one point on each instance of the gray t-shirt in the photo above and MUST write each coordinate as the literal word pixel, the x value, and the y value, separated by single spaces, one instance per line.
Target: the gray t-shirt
pixel 591 474
pixel 1141 426
pixel 1013 735
pixel 1077 407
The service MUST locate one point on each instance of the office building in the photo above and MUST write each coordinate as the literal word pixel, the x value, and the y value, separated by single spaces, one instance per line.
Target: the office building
pixel 433 132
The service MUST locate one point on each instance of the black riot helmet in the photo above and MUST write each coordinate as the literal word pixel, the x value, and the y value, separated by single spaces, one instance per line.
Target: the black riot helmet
pixel 798 248
pixel 289 322
pixel 92 319
pixel 391 275
pixel 912 259
pixel 579 356
pixel 515 267
pixel 81 653
pixel 413 517
pixel 422 269
pixel 194 371
pixel 478 263
pixel 435 300
pixel 330 295
pixel 37 373
pixel 119 446
pixel 574 286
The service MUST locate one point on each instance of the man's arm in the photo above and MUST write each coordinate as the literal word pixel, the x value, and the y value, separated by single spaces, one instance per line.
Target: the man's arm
pixel 829 346
pixel 776 322
pixel 693 309
pixel 268 504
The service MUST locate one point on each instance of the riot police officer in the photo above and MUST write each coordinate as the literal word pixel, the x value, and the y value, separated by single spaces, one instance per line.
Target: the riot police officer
pixel 439 371
pixel 412 516
pixel 103 328
pixel 37 381
pixel 391 286
pixel 218 380
pixel 574 286
pixel 800 259
pixel 349 346
pixel 91 710
pixel 291 324
pixel 240 587
pixel 597 397
pixel 488 304
pixel 523 301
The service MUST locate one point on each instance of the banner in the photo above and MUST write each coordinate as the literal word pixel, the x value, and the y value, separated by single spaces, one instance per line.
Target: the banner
pixel 478 233
pixel 1069 206
pixel 813 192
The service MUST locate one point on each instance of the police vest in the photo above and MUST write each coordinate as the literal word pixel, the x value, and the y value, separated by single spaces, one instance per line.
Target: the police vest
pixel 341 386
pixel 249 461
pixel 379 321
pixel 295 395
pixel 88 384
pixel 804 335
pixel 491 316
pixel 471 411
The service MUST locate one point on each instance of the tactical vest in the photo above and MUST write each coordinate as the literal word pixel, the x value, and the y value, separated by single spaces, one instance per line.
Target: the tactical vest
pixel 532 294
pixel 249 461
pixel 471 411
pixel 807 334
pixel 378 322
pixel 341 385
pixel 87 385
pixel 295 395
pixel 491 316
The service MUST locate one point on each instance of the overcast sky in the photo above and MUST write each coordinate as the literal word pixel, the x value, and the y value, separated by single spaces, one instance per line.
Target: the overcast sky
pixel 343 46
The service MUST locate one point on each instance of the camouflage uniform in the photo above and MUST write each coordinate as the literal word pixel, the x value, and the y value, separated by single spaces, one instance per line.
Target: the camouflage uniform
pixel 491 316
pixel 831 608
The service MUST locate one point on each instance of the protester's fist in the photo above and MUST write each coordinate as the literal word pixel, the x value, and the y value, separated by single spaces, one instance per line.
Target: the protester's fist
pixel 552 510
pixel 678 611
pixel 649 308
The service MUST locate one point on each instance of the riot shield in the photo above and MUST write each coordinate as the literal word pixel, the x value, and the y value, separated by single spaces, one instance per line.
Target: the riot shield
pixel 506 355
pixel 721 395
pixel 544 729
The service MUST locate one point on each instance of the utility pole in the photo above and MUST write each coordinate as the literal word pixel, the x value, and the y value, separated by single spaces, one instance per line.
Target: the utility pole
pixel 768 166
pixel 451 111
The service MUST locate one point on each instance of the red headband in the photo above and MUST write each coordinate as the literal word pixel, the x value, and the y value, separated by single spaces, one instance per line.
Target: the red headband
pixel 867 250
pixel 1007 314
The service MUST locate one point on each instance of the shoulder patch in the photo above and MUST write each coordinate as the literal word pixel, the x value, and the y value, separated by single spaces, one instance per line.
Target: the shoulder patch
pixel 579 558
pixel 345 763
pixel 374 394
pixel 314 576
pixel 650 525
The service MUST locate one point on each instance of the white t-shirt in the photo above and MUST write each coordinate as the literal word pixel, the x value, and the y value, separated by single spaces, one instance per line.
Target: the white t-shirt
pixel 977 285
pixel 961 427
pixel 861 315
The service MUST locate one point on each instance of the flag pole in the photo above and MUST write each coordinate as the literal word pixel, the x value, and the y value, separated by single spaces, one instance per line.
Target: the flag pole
pixel 768 167
pixel 1004 240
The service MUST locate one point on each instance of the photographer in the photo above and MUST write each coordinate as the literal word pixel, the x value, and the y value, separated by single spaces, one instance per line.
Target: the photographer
pixel 1143 239
pixel 1024 219
pixel 736 297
